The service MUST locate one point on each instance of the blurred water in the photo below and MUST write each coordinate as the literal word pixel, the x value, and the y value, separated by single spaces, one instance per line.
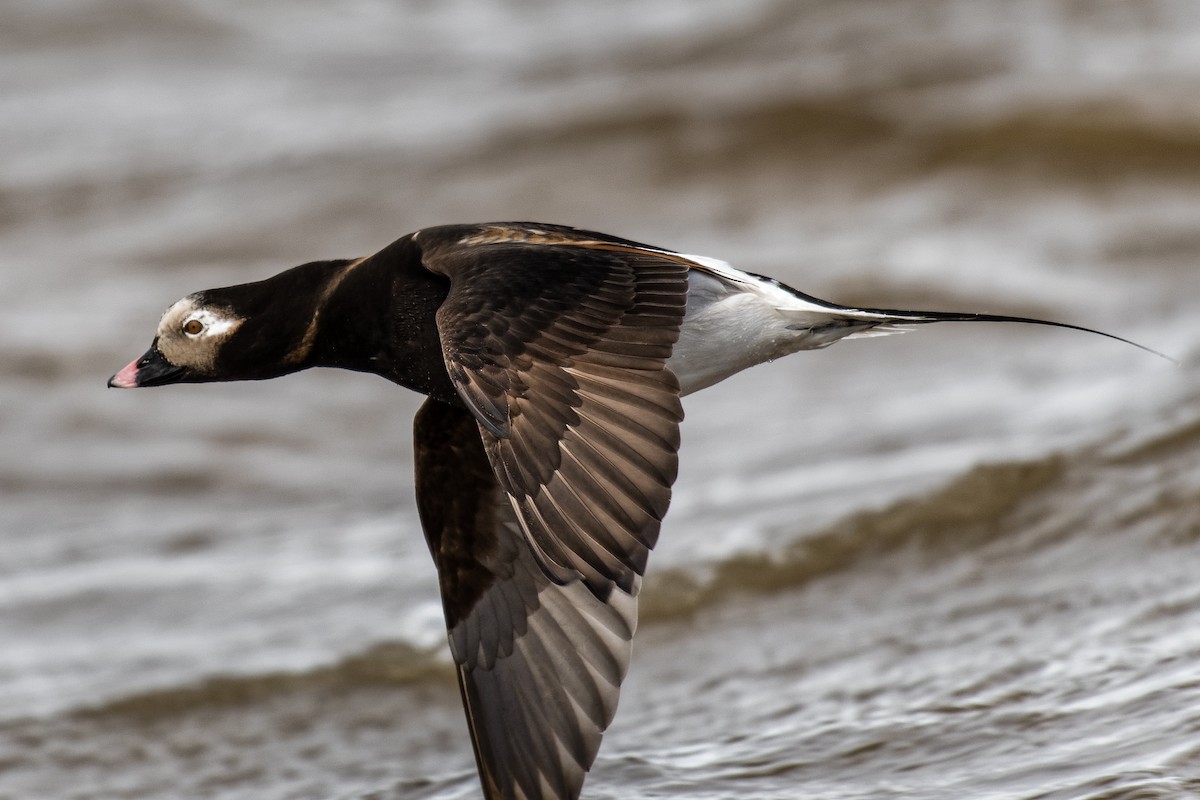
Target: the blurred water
pixel 952 564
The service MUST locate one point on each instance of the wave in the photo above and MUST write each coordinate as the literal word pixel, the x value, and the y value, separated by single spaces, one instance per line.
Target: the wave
pixel 1091 142
pixel 1083 141
pixel 970 511
pixel 391 663
pixel 965 514
pixel 1176 440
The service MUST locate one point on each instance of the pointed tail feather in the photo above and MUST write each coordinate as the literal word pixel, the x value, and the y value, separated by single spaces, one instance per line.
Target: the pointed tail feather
pixel 904 320
pixel 883 321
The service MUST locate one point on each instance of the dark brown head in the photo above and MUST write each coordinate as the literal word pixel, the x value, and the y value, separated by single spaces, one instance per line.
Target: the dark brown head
pixel 246 332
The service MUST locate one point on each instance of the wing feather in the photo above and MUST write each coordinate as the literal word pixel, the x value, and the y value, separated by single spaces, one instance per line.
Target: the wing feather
pixel 542 498
pixel 558 344
pixel 539 663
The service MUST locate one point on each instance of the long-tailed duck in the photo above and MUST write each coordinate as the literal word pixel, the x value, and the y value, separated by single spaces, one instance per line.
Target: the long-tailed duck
pixel 554 360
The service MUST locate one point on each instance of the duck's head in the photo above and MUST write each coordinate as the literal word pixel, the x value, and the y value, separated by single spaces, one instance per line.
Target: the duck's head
pixel 246 332
pixel 188 345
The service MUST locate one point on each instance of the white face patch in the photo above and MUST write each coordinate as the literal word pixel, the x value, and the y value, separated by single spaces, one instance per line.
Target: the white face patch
pixel 190 334
pixel 209 323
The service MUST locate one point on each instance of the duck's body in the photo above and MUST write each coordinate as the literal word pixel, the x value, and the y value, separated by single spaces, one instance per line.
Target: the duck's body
pixel 554 360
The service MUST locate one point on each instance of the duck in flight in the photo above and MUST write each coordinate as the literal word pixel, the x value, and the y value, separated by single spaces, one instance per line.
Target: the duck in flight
pixel 553 360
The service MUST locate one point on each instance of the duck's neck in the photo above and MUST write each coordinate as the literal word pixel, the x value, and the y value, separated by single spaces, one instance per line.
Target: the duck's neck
pixel 377 315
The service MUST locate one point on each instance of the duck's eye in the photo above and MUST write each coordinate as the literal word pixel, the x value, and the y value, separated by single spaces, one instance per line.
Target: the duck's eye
pixel 193 327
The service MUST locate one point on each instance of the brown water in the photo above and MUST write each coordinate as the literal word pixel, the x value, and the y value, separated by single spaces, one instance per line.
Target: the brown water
pixel 955 564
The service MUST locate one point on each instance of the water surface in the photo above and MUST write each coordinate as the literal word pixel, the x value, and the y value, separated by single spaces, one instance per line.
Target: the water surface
pixel 958 563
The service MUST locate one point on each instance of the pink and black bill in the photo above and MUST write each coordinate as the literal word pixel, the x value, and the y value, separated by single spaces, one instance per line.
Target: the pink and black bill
pixel 152 369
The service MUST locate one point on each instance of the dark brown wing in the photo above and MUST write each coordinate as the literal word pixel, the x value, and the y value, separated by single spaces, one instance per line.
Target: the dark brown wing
pixel 557 345
pixel 539 664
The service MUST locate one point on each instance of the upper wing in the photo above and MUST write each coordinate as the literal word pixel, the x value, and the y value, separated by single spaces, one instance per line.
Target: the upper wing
pixel 557 344
pixel 539 664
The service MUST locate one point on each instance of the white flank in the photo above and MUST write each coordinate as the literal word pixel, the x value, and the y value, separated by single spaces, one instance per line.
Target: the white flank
pixel 735 320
